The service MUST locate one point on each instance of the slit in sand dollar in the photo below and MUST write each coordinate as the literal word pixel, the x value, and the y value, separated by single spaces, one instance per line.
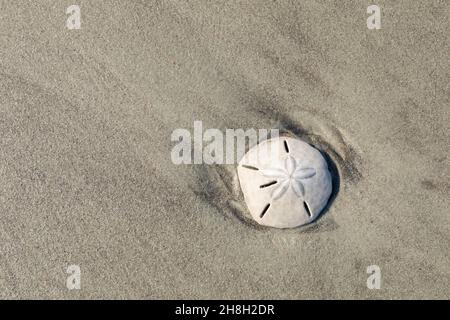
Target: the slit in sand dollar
pixel 285 181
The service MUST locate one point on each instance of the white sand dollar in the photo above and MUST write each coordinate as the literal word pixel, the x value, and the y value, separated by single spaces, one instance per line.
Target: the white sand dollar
pixel 285 181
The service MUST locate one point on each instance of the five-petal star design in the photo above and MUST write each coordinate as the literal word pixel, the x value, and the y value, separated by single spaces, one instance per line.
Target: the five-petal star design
pixel 291 175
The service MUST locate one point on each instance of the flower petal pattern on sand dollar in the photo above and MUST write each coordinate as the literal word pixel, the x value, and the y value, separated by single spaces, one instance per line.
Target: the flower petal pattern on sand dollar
pixel 290 175
pixel 304 173
pixel 299 189
pixel 280 190
pixel 289 164
pixel 274 173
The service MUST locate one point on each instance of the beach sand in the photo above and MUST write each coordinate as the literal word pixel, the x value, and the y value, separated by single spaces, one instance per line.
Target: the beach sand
pixel 86 118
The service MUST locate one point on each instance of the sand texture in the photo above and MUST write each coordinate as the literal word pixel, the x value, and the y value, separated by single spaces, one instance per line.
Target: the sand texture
pixel 86 176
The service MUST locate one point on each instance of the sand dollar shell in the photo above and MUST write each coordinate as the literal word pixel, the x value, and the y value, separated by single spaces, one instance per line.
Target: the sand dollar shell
pixel 285 181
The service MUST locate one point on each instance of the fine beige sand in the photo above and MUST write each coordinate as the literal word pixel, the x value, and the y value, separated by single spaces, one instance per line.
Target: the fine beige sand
pixel 86 176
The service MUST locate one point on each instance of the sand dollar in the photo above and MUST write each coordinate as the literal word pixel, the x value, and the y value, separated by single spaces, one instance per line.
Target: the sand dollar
pixel 286 182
